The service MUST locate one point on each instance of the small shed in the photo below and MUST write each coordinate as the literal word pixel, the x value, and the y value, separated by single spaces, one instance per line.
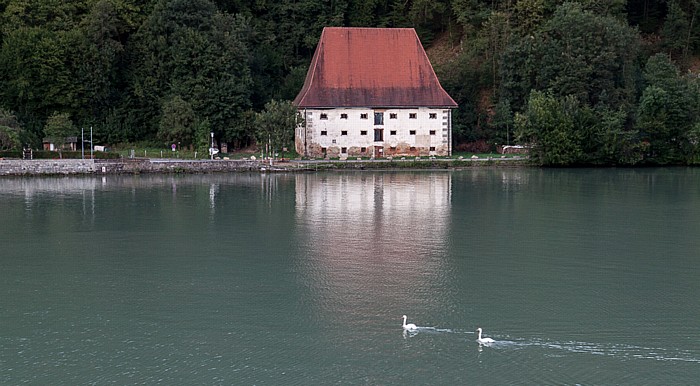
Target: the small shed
pixel 69 144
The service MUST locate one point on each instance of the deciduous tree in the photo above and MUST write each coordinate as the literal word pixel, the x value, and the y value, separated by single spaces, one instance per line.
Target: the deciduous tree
pixel 549 125
pixel 177 122
pixel 10 131
pixel 276 125
pixel 59 126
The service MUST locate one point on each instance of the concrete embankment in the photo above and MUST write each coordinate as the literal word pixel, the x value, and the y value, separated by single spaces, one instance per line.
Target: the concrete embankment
pixel 145 165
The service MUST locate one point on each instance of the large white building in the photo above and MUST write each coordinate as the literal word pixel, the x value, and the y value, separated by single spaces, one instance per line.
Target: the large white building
pixel 372 92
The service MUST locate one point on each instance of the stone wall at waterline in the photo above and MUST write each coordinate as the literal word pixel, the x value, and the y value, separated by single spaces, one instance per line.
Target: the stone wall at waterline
pixel 145 165
pixel 127 166
pixel 46 167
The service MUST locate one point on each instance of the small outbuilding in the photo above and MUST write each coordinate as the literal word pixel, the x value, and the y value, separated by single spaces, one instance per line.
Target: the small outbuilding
pixel 67 144
pixel 372 92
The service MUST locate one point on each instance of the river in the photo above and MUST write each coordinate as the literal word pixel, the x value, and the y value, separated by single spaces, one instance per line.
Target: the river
pixel 583 276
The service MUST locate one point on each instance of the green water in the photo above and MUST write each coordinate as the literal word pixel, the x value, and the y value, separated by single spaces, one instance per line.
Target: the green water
pixel 587 277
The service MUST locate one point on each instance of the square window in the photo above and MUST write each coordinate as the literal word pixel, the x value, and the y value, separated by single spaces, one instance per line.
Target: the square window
pixel 343 116
pixel 432 148
pixel 363 149
pixel 363 132
pixel 363 116
pixel 432 132
pixel 344 132
pixel 413 148
pixel 343 150
pixel 324 116
pixel 412 115
pixel 392 115
pixel 324 132
pixel 433 115
pixel 392 132
pixel 412 132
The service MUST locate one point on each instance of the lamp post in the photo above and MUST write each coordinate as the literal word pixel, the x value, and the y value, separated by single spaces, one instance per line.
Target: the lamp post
pixel 211 150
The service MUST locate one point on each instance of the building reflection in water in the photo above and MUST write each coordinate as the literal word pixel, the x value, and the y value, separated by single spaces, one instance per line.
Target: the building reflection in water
pixel 372 240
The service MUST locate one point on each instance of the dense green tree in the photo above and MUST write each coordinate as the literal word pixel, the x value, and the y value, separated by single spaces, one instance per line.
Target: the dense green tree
pixel 667 111
pixel 242 134
pixel 35 77
pixel 675 30
pixel 693 153
pixel 202 137
pixel 9 138
pixel 502 122
pixel 99 54
pixel 606 138
pixel 464 80
pixel 550 126
pixel 368 12
pixel 429 17
pixel 530 14
pixel 177 122
pixel 276 125
pixel 190 49
pixel 576 53
pixel 680 32
pixel 470 13
pixel 8 119
pixel 223 86
pixel 472 77
pixel 54 15
pixel 614 8
pixel 10 131
pixel 59 126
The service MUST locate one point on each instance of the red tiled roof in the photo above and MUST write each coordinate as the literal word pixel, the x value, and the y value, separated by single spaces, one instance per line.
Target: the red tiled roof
pixel 371 67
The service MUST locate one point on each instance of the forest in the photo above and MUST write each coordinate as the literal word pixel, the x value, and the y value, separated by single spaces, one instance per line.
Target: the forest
pixel 590 82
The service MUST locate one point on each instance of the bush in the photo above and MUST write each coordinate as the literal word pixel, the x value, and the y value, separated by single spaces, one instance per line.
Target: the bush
pixel 10 154
pixel 46 154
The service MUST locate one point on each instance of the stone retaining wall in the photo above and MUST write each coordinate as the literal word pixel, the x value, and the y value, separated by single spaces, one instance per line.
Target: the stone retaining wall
pixel 41 167
pixel 146 165
pixel 128 166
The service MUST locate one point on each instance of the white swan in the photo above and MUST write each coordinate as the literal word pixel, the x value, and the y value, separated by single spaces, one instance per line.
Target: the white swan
pixel 483 340
pixel 410 326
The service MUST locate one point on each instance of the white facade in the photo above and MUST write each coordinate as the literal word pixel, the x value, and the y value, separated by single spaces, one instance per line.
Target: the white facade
pixel 368 132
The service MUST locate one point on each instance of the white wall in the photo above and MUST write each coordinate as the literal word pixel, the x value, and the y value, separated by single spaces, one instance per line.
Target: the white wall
pixel 310 141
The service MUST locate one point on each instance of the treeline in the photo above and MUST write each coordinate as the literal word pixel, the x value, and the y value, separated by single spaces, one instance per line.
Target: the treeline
pixel 587 82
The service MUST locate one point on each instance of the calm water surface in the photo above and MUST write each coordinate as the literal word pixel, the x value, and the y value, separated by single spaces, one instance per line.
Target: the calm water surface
pixel 587 277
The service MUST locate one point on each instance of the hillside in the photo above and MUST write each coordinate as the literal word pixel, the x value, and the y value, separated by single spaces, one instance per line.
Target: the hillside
pixel 587 82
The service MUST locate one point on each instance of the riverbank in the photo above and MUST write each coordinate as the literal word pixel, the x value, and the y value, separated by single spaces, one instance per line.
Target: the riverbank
pixel 152 165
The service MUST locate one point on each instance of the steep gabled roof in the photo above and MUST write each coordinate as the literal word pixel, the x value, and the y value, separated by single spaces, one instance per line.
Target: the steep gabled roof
pixel 371 67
